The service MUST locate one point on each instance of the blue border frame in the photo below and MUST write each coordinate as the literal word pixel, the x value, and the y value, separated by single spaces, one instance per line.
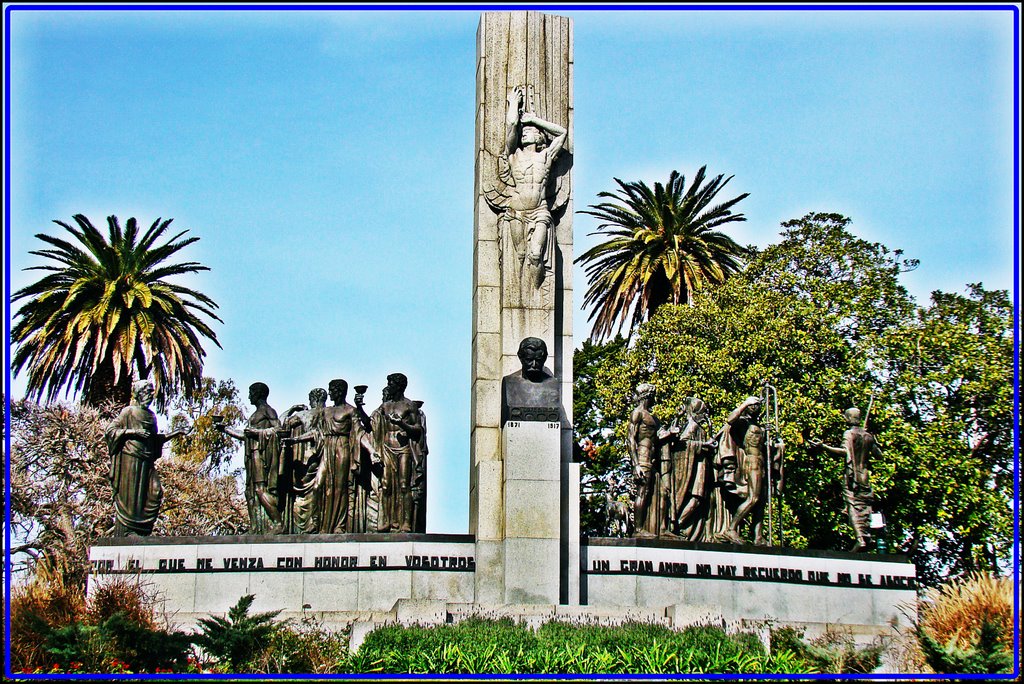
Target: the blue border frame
pixel 1014 9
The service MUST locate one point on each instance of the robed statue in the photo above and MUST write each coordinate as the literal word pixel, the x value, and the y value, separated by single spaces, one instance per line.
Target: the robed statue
pixel 399 441
pixel 134 445
pixel 686 472
pixel 263 463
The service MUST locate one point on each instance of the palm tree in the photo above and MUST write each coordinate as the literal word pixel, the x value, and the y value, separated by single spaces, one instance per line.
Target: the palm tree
pixel 662 248
pixel 106 309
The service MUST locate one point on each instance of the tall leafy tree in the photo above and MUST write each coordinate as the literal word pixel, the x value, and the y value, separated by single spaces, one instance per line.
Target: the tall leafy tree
pixel 663 247
pixel 106 309
pixel 823 316
pixel 61 500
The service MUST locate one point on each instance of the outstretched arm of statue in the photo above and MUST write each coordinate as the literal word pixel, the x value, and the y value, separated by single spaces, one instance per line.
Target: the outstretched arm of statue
pixel 230 432
pixel 666 433
pixel 173 434
pixel 304 437
pixel 818 444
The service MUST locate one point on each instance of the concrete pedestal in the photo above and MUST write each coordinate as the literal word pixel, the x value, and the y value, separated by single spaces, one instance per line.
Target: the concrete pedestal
pixel 533 508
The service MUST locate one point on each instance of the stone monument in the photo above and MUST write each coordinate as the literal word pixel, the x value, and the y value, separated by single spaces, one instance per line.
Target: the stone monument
pixel 520 510
pixel 349 489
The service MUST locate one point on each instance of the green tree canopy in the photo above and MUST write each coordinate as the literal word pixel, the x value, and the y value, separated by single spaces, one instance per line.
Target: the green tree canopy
pixel 106 309
pixel 822 316
pixel 663 247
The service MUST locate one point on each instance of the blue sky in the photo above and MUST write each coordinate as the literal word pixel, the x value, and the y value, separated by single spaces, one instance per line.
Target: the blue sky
pixel 325 159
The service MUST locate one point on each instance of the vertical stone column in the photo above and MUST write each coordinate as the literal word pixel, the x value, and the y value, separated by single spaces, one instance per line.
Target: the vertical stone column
pixel 533 51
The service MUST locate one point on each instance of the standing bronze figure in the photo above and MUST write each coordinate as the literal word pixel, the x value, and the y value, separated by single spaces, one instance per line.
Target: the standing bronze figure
pixel 859 446
pixel 643 441
pixel 686 476
pixel 262 462
pixel 398 439
pixel 304 455
pixel 134 445
pixel 342 435
pixel 743 463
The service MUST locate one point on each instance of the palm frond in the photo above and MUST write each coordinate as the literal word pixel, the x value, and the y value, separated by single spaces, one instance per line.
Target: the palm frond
pixel 661 248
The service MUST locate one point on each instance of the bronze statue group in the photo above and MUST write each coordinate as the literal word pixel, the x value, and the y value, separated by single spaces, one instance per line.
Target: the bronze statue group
pixel 333 469
pixel 695 485
pixel 316 469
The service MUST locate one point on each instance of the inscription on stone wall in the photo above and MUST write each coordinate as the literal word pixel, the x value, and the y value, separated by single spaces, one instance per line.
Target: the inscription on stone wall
pixel 755 573
pixel 291 563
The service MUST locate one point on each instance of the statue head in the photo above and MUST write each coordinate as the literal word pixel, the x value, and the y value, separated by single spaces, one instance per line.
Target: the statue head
pixel 258 391
pixel 696 409
pixel 337 389
pixel 317 398
pixel 397 382
pixel 143 392
pixel 532 135
pixel 753 407
pixel 852 415
pixel 533 352
pixel 644 390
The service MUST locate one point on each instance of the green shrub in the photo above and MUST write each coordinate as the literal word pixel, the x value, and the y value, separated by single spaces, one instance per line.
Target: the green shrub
pixel 118 641
pixel 306 648
pixel 237 639
pixel 38 608
pixel 985 656
pixel 834 652
pixel 967 623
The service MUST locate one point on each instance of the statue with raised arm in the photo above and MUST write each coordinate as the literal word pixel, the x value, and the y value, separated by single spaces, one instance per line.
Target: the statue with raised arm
pixel 398 439
pixel 644 439
pixel 524 197
pixel 859 446
pixel 365 505
pixel 743 461
pixel 134 445
pixel 262 462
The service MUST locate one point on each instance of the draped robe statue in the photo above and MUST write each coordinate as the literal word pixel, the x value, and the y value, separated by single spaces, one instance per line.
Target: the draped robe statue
pixel 134 445
pixel 687 480
pixel 263 494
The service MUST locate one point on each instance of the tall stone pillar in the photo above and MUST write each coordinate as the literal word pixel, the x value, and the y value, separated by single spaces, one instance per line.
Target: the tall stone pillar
pixel 522 287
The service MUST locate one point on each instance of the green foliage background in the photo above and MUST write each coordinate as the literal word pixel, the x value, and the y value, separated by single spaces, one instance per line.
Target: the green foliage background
pixel 824 317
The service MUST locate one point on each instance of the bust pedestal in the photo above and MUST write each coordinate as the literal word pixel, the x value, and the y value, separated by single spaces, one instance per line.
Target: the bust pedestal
pixel 533 524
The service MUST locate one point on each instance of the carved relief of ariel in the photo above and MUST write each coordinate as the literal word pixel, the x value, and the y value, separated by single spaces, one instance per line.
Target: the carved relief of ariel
pixel 529 191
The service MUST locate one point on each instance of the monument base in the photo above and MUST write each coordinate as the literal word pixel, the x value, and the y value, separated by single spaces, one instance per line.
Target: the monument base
pixel 366 580
pixel 337 578
pixel 750 583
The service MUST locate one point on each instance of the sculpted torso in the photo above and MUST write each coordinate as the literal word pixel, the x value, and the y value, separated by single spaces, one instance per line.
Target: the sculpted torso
pixel 860 444
pixel 645 429
pixel 409 413
pixel 338 420
pixel 530 170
